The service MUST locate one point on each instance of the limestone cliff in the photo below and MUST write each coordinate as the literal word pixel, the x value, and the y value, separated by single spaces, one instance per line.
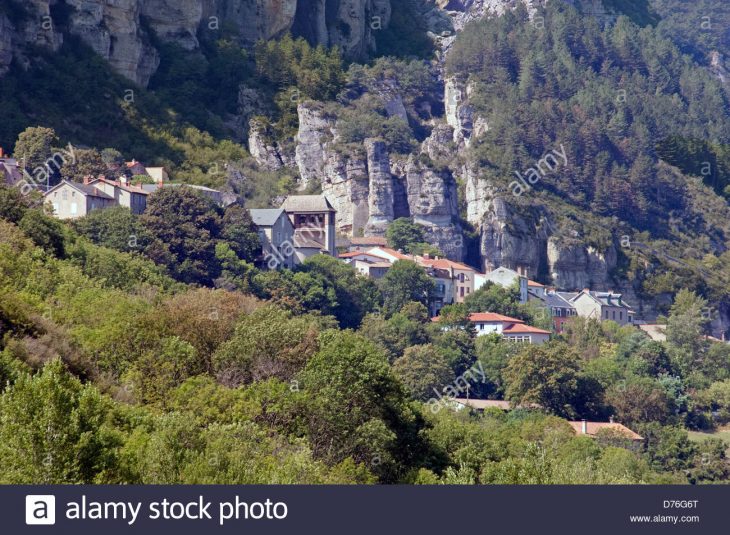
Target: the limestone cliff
pixel 117 29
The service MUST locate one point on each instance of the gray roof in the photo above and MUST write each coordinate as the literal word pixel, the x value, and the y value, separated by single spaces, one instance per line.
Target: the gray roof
pixel 265 217
pixel 610 299
pixel 554 299
pixel 568 296
pixel 84 189
pixel 307 203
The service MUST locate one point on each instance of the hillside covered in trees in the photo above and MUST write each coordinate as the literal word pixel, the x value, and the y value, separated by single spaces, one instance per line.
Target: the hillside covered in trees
pixel 150 350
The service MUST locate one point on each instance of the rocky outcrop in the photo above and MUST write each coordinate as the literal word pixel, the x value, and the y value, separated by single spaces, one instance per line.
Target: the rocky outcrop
pixel 380 198
pixel 464 11
pixel 346 184
pixel 263 148
pixel 112 29
pixel 433 203
pixel 175 21
pixel 315 129
pixel 576 266
pixel 116 29
pixel 460 113
pixel 478 193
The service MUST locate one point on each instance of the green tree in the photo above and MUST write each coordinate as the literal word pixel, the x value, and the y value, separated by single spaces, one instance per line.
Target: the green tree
pixel 34 147
pixel 46 232
pixel 639 399
pixel 52 431
pixel 424 370
pixel 240 233
pixel 546 375
pixel 494 298
pixel 355 296
pixel 686 325
pixel 87 163
pixel 404 282
pixel 116 228
pixel 357 408
pixel 185 226
pixel 270 342
pixel 403 234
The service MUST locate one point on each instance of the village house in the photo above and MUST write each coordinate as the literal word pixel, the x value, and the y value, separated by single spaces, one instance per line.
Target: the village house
pixel 314 221
pixel 277 238
pixel 603 306
pixel 365 243
pixel 508 278
pixel 132 197
pixel 560 309
pixel 71 200
pixel 462 276
pixel 511 329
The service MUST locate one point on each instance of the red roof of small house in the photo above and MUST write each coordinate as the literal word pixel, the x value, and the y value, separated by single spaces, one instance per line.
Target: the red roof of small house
pixel 444 263
pixel 593 428
pixel 492 317
pixel 521 328
pixel 535 284
pixel 484 317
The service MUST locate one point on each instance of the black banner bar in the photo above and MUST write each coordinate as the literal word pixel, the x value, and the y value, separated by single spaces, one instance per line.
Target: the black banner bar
pixel 364 510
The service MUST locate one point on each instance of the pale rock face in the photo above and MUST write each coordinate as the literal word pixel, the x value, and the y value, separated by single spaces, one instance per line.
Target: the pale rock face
pixel 175 20
pixel 459 112
pixel 465 11
pixel 508 240
pixel 577 266
pixel 433 203
pixel 381 197
pixel 111 28
pixel 258 19
pixel 478 193
pixel 263 150
pixel 346 185
pixel 439 145
pixel 315 129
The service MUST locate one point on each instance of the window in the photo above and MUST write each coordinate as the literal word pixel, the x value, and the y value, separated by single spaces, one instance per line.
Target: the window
pixel 631 319
pixel 74 208
pixel 621 315
pixel 605 314
pixel 613 314
pixel 461 291
pixel 64 195
pixel 55 208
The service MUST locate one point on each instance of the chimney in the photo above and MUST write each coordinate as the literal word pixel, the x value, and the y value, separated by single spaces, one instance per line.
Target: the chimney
pixel 584 427
pixel 87 179
pixel 2 154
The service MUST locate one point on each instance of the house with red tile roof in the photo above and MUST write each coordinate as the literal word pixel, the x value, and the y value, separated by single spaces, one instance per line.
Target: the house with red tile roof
pixel 511 329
